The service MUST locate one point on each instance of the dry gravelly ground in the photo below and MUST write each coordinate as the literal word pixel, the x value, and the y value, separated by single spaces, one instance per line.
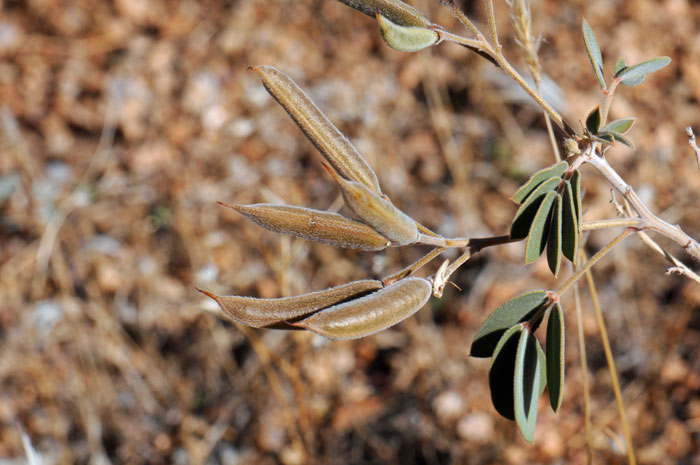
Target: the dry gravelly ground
pixel 108 353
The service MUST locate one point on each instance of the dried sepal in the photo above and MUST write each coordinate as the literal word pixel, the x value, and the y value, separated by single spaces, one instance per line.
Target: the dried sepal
pixel 377 211
pixel 397 11
pixel 264 313
pixel 332 144
pixel 372 313
pixel 406 38
pixel 316 225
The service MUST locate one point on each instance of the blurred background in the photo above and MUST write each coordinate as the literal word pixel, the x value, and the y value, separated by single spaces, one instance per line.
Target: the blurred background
pixel 123 122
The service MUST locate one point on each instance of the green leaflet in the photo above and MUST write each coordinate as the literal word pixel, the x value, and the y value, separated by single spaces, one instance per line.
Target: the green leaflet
pixel 593 121
pixel 536 239
pixel 556 170
pixel 406 38
pixel 526 387
pixel 619 66
pixel 618 137
pixel 554 347
pixel 634 75
pixel 620 125
pixel 502 372
pixel 593 50
pixel 555 237
pixel 518 309
pixel 576 190
pixel 569 224
pixel 527 212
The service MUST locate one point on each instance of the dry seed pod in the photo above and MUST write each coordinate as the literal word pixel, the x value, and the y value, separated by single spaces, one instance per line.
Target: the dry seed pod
pixel 316 225
pixel 397 11
pixel 377 211
pixel 372 313
pixel 261 313
pixel 332 144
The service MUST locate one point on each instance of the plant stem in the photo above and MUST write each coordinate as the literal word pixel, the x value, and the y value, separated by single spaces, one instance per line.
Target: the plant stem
pixel 611 367
pixel 584 378
pixel 492 24
pixel 614 222
pixel 505 64
pixel 415 266
pixel 608 101
pixel 462 17
pixel 673 232
pixel 600 254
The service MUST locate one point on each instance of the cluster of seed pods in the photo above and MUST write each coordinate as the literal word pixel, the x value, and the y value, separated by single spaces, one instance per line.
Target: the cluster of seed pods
pixel 351 310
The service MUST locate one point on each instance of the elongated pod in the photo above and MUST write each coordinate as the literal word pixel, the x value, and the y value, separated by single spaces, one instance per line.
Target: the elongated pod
pixel 327 227
pixel 332 144
pixel 377 211
pixel 396 10
pixel 372 313
pixel 261 313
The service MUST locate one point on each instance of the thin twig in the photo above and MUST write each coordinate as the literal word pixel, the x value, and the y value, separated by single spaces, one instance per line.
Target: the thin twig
pixel 459 14
pixel 673 232
pixel 638 223
pixel 584 378
pixel 492 24
pixel 611 366
pixel 413 267
pixel 693 145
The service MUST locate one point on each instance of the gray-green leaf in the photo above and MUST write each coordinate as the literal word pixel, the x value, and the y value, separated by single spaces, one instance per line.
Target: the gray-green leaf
pixel 528 210
pixel 554 240
pixel 569 225
pixel 593 120
pixel 502 372
pixel 554 347
pixel 576 190
pixel 594 55
pixel 620 125
pixel 537 236
pixel 619 66
pixel 636 74
pixel 618 137
pixel 518 309
pixel 538 178
pixel 527 384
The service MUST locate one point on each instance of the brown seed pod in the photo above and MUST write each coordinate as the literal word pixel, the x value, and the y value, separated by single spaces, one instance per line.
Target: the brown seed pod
pixel 397 11
pixel 262 313
pixel 371 313
pixel 377 211
pixel 327 227
pixel 332 144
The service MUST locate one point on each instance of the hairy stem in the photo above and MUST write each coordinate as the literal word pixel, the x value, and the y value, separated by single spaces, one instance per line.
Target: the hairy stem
pixel 413 267
pixel 492 24
pixel 673 232
pixel 638 223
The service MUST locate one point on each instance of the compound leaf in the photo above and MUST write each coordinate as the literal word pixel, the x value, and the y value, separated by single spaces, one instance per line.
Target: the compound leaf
pixel 527 212
pixel 538 178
